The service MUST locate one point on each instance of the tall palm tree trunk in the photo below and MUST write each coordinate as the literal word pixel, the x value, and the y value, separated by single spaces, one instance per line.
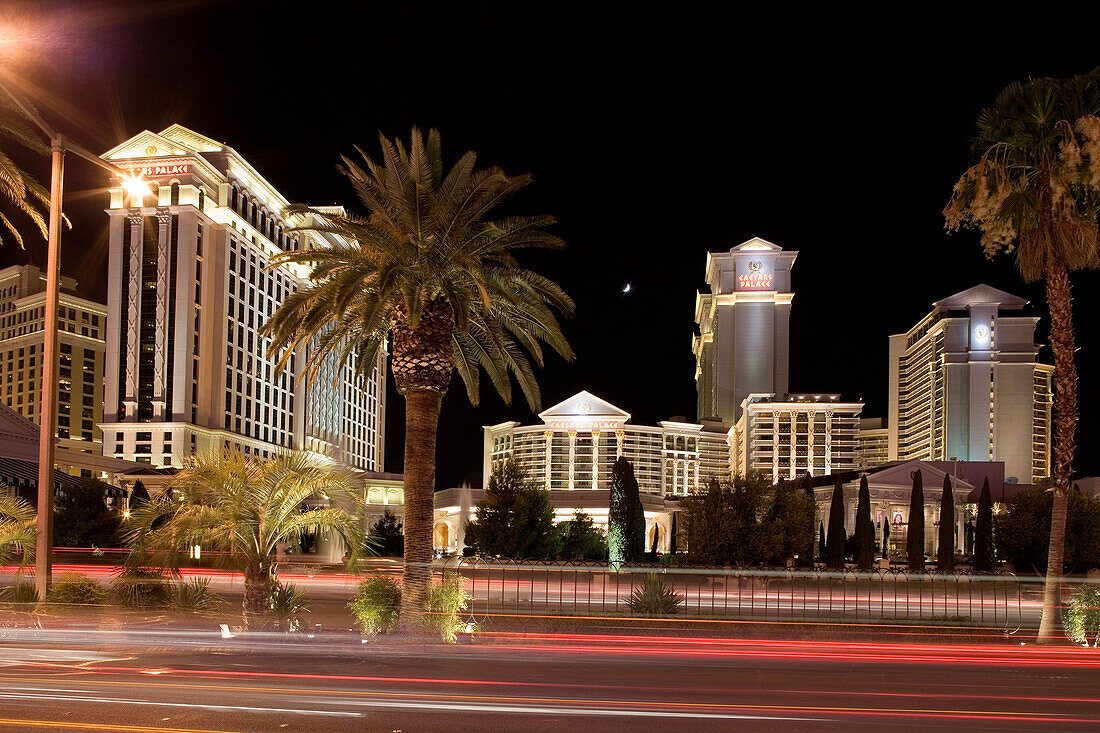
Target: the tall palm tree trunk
pixel 421 422
pixel 1060 301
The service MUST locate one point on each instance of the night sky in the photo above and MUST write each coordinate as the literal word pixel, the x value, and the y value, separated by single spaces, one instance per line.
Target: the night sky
pixel 653 138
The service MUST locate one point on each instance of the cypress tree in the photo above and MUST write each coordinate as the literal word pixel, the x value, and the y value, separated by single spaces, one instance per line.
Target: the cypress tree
pixel 886 538
pixel 626 518
pixel 834 548
pixel 821 543
pixel 138 495
pixel 865 528
pixel 914 534
pixel 672 535
pixel 945 559
pixel 983 531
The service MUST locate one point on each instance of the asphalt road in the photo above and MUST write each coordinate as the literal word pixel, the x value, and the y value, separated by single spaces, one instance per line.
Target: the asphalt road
pixel 179 681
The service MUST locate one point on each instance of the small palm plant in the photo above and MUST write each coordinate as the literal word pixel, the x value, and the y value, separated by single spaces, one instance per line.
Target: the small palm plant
pixel 288 605
pixel 17 529
pixel 246 508
pixel 194 594
pixel 655 597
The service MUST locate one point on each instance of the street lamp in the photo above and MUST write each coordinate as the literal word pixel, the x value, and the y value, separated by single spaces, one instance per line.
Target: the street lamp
pixel 47 431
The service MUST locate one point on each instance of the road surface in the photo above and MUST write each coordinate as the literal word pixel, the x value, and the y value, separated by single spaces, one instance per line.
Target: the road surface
pixel 165 681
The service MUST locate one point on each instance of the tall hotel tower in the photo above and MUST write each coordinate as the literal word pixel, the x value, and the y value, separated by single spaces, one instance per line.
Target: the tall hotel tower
pixel 741 348
pixel 741 372
pixel 189 286
pixel 966 383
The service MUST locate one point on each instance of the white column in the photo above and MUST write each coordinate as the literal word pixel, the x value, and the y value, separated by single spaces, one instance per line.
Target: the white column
pixel 549 435
pixel 828 441
pixel 133 314
pixel 595 459
pixel 159 349
pixel 572 457
pixel 620 438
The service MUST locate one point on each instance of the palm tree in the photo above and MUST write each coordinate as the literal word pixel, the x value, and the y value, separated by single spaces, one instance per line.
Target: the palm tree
pixel 17 528
pixel 17 186
pixel 244 507
pixel 1035 192
pixel 427 267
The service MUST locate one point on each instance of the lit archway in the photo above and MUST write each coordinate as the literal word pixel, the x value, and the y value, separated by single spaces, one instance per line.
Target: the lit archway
pixel 442 533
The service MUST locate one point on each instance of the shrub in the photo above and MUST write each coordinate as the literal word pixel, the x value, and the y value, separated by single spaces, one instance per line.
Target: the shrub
pixel 195 595
pixel 1082 615
pixel 376 605
pixel 445 601
pixel 288 606
pixel 136 587
pixel 654 597
pixel 20 593
pixel 76 588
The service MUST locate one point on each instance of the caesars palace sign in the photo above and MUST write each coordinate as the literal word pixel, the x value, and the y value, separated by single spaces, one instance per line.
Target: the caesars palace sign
pixel 755 278
pixel 158 169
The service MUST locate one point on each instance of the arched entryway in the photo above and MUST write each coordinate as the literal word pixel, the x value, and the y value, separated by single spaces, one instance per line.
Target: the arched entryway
pixel 442 535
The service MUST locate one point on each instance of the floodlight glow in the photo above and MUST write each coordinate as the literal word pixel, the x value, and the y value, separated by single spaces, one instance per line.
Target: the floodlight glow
pixel 137 186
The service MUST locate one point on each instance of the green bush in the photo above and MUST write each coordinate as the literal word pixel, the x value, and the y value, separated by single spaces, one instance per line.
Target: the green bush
pixel 136 587
pixel 195 595
pixel 376 604
pixel 654 597
pixel 1082 615
pixel 288 606
pixel 445 601
pixel 76 588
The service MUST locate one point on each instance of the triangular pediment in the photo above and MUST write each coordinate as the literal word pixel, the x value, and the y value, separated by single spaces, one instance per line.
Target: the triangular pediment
pixel 757 244
pixel 191 139
pixel 147 144
pixel 584 406
pixel 900 475
pixel 981 294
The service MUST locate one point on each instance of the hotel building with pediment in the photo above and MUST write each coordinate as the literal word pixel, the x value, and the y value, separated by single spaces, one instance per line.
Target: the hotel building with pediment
pixel 190 283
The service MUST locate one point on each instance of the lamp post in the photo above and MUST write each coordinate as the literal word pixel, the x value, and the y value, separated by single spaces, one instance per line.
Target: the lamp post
pixel 48 415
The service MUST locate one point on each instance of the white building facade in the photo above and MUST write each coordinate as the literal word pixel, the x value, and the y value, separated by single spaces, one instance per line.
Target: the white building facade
pixel 580 439
pixel 966 384
pixel 789 436
pixel 190 284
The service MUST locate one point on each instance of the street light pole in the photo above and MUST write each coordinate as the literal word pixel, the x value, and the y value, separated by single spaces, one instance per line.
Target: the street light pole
pixel 47 432
pixel 47 429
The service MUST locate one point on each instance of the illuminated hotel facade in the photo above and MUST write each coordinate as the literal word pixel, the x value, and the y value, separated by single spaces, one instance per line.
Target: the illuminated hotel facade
pixel 81 327
pixel 190 284
pixel 966 384
pixel 793 435
pixel 572 452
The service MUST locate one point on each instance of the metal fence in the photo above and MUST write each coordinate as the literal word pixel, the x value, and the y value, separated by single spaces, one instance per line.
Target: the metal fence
pixel 503 589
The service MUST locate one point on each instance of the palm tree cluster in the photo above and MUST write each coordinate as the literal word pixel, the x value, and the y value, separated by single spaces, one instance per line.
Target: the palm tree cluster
pixel 246 508
pixel 427 268
pixel 1035 191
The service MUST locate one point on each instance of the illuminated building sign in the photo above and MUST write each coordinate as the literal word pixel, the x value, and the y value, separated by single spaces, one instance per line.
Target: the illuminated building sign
pixel 158 169
pixel 584 425
pixel 756 278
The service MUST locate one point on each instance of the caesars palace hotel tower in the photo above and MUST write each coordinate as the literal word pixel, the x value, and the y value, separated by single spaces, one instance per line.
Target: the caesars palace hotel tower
pixel 189 287
pixel 742 345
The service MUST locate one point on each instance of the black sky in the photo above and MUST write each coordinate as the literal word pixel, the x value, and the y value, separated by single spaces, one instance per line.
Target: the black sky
pixel 653 137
